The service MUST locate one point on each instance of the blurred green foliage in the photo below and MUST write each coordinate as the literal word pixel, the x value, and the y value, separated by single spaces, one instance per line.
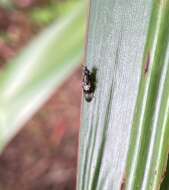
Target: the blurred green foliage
pixel 6 3
pixel 48 13
pixel 30 79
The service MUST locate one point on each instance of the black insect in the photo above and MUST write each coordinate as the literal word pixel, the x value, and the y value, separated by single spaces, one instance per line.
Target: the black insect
pixel 89 83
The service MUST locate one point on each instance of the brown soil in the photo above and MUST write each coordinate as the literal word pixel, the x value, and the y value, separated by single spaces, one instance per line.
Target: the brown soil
pixel 43 156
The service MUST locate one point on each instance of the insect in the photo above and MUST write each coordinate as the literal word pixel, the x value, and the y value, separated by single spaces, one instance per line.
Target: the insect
pixel 88 84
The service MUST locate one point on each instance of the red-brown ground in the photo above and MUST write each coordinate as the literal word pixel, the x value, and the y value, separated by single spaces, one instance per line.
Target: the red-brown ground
pixel 43 156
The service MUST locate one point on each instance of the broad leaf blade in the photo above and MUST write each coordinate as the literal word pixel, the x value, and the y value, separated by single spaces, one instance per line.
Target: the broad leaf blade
pixel 117 36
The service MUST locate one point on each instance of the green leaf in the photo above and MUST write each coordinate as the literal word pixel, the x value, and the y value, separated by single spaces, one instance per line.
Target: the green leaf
pixel 46 14
pixel 32 77
pixel 6 3
pixel 149 145
pixel 124 136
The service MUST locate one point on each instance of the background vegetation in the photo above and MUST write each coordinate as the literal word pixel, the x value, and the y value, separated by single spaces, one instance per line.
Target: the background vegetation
pixel 41 45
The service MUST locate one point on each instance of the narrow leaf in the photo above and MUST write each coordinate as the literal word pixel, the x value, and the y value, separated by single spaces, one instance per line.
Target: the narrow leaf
pixel 30 79
pixel 149 145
